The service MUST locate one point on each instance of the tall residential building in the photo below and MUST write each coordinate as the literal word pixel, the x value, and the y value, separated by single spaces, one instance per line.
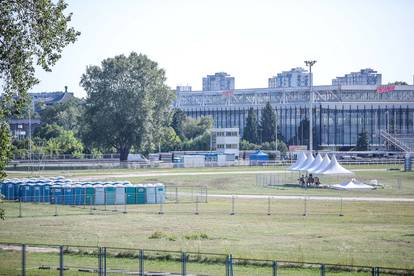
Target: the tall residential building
pixel 183 88
pixel 363 77
pixel 218 81
pixel 296 77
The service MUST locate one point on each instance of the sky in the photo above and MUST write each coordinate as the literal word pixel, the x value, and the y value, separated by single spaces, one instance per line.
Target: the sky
pixel 250 40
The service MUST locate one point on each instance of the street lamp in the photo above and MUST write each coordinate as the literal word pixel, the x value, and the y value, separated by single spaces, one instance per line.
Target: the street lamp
pixel 310 63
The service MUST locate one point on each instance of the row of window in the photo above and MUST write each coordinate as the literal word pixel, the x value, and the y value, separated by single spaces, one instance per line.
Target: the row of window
pixel 227 146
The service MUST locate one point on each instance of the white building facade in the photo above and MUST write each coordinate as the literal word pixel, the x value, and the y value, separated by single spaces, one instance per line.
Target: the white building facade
pixel 296 77
pixel 225 140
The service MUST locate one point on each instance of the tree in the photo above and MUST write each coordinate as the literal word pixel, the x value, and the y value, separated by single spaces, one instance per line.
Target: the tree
pixel 195 127
pixel 47 131
pixel 127 102
pixel 65 143
pixel 177 122
pixel 67 114
pixel 362 142
pixel 170 141
pixel 5 147
pixel 268 124
pixel 32 34
pixel 250 132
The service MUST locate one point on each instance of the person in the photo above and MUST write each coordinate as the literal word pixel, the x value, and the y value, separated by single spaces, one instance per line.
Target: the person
pixel 302 181
pixel 310 180
pixel 317 181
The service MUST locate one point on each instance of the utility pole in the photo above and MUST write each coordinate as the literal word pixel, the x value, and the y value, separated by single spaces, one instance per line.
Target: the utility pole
pixel 310 63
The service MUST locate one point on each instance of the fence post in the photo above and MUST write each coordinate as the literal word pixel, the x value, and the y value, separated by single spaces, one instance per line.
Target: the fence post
pixel 274 268
pixel 104 261
pixel 227 265
pixel 161 208
pixel 176 194
pixel 268 206
pixel 125 204
pixel 20 207
pixel 305 207
pixel 183 264
pixel 196 206
pixel 231 266
pixel 322 270
pixel 373 271
pixel 340 211
pixel 56 209
pixel 141 262
pixel 99 261
pixel 23 260
pixel 232 206
pixel 61 266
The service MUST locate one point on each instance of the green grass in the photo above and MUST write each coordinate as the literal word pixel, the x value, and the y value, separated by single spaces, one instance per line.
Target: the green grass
pixel 369 233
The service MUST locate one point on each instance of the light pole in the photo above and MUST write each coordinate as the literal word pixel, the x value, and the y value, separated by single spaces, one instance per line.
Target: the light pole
pixel 310 63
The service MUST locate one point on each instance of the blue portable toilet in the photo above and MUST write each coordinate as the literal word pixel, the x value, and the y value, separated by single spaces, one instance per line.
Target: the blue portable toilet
pixel 46 192
pixel 258 158
pixel 10 191
pixel 37 192
pixel 26 192
pixel 120 196
pixel 99 194
pixel 68 193
pixel 151 196
pixel 78 194
pixel 89 194
pixel 109 194
pixel 159 193
pixel 57 194
pixel 130 191
pixel 3 187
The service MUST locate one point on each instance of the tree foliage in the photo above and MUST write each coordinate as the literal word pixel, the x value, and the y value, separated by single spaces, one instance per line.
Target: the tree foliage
pixel 177 122
pixel 127 102
pixel 195 127
pixel 250 132
pixel 170 141
pixel 268 124
pixel 67 114
pixel 5 147
pixel 363 141
pixel 32 34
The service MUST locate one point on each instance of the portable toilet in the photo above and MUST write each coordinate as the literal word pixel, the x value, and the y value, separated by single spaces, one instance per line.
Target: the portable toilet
pixel 37 192
pixel 46 192
pixel 141 194
pixel 99 194
pixel 9 191
pixel 120 194
pixel 89 194
pixel 26 192
pixel 130 191
pixel 78 194
pixel 151 197
pixel 159 193
pixel 2 187
pixel 57 194
pixel 109 194
pixel 68 193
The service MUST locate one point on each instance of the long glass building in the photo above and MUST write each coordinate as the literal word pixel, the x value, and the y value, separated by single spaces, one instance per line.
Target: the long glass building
pixel 339 113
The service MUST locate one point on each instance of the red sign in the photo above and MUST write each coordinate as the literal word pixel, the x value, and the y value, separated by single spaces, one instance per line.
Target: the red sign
pixel 228 93
pixel 384 89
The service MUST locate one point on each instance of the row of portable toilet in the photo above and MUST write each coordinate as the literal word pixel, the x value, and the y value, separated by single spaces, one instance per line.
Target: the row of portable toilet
pixel 108 194
pixel 85 193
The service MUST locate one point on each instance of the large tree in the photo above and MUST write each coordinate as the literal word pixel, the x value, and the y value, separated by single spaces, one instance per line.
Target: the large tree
pixel 127 103
pixel 32 35
pixel 363 141
pixel 177 122
pixel 250 132
pixel 268 124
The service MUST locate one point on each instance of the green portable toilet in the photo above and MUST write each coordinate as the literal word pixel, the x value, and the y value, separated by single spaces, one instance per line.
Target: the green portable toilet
pixel 89 194
pixel 130 191
pixel 141 194
pixel 110 194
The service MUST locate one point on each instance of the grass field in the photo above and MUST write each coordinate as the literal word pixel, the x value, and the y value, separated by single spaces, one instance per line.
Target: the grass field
pixel 369 233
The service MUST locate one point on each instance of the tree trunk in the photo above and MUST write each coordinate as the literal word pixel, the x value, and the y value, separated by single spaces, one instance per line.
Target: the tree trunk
pixel 124 151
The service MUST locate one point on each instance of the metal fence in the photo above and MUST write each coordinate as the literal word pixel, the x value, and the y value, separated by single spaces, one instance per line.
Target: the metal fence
pixel 45 259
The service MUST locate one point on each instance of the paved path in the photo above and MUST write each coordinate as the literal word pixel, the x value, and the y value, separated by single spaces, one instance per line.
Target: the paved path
pixel 319 198
pixel 101 176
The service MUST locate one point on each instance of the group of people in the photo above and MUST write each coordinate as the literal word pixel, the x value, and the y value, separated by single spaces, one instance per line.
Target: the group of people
pixel 309 180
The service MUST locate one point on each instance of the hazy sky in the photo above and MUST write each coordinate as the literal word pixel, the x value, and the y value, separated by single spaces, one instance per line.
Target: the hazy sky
pixel 251 40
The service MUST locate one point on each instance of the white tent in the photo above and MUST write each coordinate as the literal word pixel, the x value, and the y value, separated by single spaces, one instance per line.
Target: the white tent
pixel 335 168
pixel 325 162
pixel 299 162
pixel 307 163
pixel 315 163
pixel 351 185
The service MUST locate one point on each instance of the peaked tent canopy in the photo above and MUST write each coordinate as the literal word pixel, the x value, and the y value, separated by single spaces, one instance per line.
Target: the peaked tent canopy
pixel 351 185
pixel 299 162
pixel 325 162
pixel 335 168
pixel 315 163
pixel 307 163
